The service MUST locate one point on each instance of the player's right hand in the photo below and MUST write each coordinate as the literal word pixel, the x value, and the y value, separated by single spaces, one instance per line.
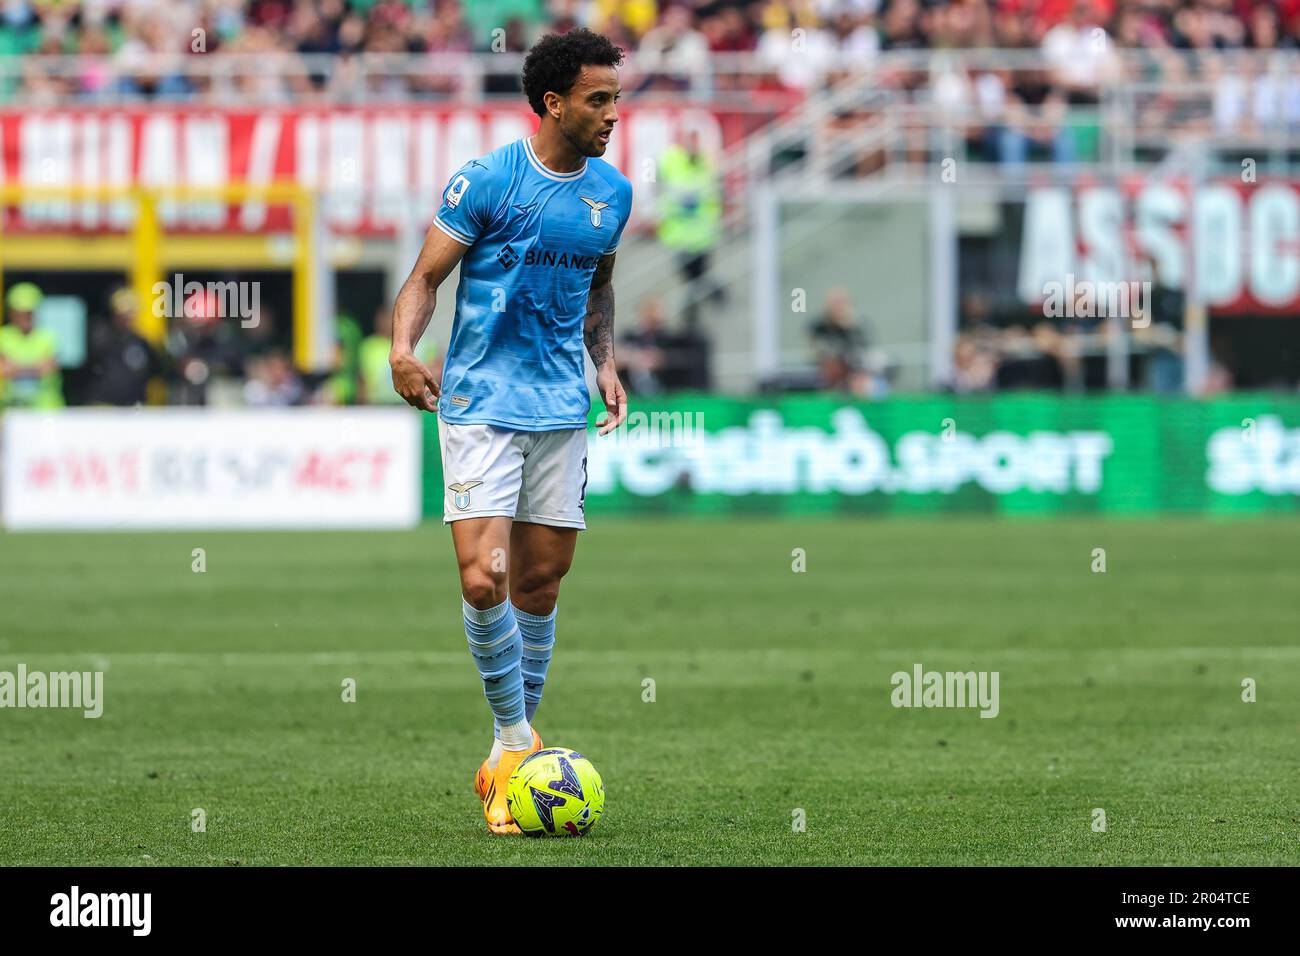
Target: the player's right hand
pixel 414 381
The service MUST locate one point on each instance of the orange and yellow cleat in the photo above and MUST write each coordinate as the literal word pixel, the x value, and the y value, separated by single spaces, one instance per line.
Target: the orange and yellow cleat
pixel 490 785
pixel 483 778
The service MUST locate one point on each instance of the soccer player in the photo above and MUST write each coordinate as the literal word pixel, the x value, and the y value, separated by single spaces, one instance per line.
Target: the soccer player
pixel 534 226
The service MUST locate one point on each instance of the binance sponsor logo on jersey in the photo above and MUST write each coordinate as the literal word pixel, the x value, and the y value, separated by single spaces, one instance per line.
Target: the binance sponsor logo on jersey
pixel 550 259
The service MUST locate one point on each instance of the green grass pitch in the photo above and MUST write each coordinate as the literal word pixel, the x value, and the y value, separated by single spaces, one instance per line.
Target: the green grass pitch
pixel 1120 691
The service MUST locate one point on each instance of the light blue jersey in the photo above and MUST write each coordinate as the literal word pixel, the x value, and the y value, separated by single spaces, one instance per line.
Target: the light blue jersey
pixel 515 359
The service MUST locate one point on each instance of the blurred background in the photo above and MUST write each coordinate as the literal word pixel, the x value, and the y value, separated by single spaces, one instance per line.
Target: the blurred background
pixel 1025 255
pixel 957 333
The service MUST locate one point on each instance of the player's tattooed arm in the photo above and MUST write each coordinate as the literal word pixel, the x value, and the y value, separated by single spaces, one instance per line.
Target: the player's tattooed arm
pixel 412 309
pixel 598 333
pixel 598 329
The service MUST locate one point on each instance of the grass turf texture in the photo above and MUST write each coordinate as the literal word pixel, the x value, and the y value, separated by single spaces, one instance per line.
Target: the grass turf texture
pixel 223 692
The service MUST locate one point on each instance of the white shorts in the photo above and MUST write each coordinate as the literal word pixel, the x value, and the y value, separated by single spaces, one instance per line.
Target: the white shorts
pixel 537 477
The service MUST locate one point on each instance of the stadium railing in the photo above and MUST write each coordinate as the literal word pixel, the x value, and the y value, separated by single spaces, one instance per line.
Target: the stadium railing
pixel 278 78
pixel 1165 87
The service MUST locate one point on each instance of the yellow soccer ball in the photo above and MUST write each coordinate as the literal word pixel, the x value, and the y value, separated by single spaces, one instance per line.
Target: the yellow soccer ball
pixel 555 792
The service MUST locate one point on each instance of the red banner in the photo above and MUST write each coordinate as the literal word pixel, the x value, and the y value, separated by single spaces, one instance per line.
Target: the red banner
pixel 1233 243
pixel 377 167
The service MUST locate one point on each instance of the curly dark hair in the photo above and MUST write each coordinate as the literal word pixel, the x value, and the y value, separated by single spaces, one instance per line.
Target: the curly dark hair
pixel 554 62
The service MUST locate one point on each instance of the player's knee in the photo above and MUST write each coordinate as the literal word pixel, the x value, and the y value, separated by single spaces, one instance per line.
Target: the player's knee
pixel 482 588
pixel 544 579
pixel 550 590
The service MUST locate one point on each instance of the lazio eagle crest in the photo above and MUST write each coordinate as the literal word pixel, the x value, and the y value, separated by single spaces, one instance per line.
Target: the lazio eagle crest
pixel 596 207
pixel 462 490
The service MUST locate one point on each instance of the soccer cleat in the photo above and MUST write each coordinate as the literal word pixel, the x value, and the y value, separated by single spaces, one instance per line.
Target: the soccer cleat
pixel 484 776
pixel 495 808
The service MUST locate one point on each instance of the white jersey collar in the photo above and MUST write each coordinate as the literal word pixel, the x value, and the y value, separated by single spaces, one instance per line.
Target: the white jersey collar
pixel 546 171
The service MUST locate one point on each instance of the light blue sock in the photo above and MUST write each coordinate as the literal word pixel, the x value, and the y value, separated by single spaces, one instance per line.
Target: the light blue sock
pixel 495 644
pixel 538 642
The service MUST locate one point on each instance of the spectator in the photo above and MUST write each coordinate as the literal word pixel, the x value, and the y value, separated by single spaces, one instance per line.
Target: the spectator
pixel 975 366
pixel 855 40
pixel 800 60
pixel 672 54
pixel 635 16
pixel 655 359
pixel 1034 360
pixel 976 357
pixel 203 350
pixel 727 31
pixel 93 76
pixel 258 331
pixel 445 38
pixel 149 59
pixel 1079 53
pixel 1163 335
pixel 901 26
pixel 840 346
pixel 121 361
pixel 690 216
pixel 644 353
pixel 1033 119
pixel 344 384
pixel 29 365
pixel 273 382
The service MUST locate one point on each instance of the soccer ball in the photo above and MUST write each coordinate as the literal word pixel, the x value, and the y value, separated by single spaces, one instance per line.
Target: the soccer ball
pixel 555 792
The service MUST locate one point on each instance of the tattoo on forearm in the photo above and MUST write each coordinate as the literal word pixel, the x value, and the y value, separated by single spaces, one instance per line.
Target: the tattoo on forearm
pixel 598 329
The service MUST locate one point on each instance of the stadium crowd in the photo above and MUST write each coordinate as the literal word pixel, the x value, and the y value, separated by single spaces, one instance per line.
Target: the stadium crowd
pixel 139 47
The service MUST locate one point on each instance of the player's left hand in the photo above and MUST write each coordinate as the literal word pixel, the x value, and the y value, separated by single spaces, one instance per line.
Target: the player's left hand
pixel 611 391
